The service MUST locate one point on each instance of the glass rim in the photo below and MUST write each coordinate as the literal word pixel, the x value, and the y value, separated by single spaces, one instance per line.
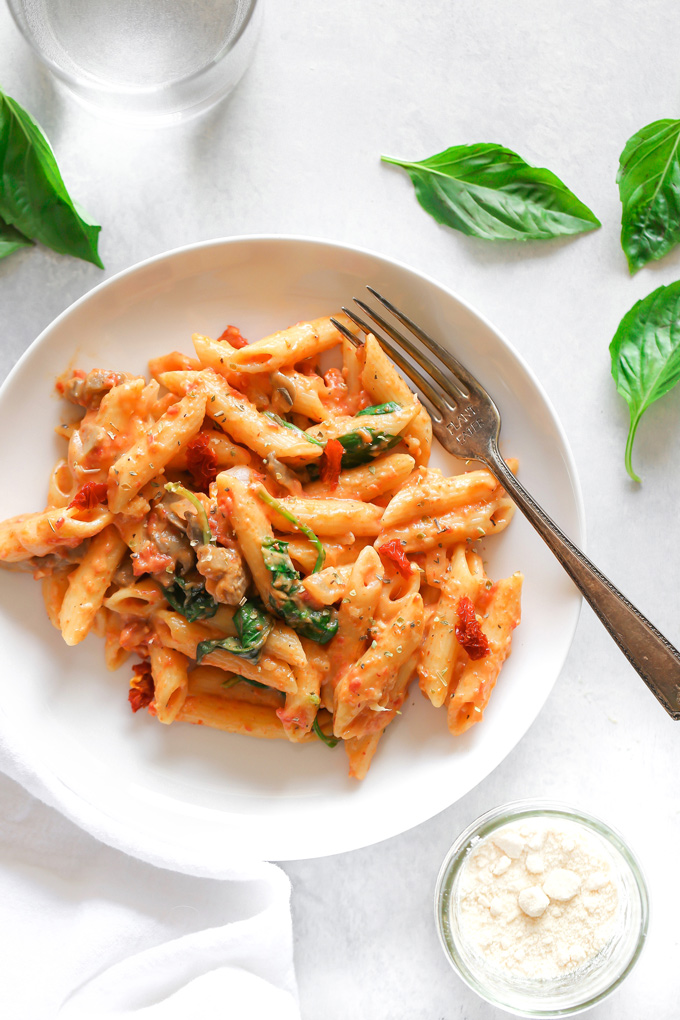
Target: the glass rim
pixel 145 90
pixel 482 826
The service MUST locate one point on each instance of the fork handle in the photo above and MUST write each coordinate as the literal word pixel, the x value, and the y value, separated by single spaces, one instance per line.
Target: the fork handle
pixel 647 650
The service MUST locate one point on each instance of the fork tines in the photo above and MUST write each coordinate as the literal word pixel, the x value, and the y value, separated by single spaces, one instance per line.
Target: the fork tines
pixel 451 388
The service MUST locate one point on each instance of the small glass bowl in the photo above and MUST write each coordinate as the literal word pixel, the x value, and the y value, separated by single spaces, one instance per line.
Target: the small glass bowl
pixel 584 987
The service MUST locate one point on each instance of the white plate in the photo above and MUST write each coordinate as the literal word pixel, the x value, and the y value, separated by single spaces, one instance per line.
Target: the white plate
pixel 205 793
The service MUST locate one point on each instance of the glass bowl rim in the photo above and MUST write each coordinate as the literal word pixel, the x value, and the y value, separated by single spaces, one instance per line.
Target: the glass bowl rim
pixel 146 90
pixel 507 813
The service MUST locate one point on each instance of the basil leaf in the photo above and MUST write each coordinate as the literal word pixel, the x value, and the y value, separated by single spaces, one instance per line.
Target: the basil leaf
pixel 329 741
pixel 33 197
pixel 294 428
pixel 388 408
pixel 319 625
pixel 306 531
pixel 287 596
pixel 359 449
pixel 253 626
pixel 645 355
pixel 237 679
pixel 190 599
pixel 11 239
pixel 649 187
pixel 489 191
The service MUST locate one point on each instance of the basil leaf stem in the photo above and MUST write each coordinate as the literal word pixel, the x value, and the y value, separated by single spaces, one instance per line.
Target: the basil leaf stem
pixel 11 239
pixel 328 741
pixel 649 188
pixel 489 191
pixel 33 197
pixel 267 498
pixel 645 356
pixel 294 428
pixel 181 490
pixel 237 678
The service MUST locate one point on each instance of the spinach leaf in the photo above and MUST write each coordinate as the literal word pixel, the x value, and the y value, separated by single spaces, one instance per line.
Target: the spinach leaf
pixel 237 679
pixel 253 626
pixel 489 191
pixel 365 445
pixel 307 531
pixel 287 596
pixel 388 408
pixel 11 239
pixel 33 197
pixel 329 741
pixel 292 427
pixel 645 355
pixel 204 523
pixel 649 187
pixel 285 577
pixel 191 599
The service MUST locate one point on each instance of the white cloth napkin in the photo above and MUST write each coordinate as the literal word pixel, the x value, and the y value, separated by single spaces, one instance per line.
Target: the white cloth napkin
pixel 91 931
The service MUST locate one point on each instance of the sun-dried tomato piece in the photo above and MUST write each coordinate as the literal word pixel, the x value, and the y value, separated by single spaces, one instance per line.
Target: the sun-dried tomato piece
pixel 201 461
pixel 468 631
pixel 331 462
pixel 141 691
pixel 393 550
pixel 232 335
pixel 150 560
pixel 89 495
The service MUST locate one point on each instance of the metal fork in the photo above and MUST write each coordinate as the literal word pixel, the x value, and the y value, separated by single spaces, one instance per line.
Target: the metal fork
pixel 467 423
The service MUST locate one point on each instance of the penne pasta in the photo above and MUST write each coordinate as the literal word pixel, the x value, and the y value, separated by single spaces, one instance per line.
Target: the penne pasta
pixel 239 417
pixel 88 583
pixel 301 706
pixel 366 481
pixel 169 670
pixel 175 632
pixel 476 681
pixel 289 346
pixel 233 716
pixel 260 527
pixel 159 444
pixel 382 381
pixel 329 516
pixel 441 649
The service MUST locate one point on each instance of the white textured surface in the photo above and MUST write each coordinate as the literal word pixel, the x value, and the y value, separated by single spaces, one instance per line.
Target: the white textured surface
pixel 296 150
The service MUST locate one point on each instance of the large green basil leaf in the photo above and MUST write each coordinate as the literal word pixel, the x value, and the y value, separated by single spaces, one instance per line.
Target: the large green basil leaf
pixel 649 186
pixel 33 197
pixel 489 191
pixel 645 355
pixel 11 239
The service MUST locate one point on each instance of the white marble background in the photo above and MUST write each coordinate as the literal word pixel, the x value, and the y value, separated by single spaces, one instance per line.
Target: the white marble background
pixel 295 150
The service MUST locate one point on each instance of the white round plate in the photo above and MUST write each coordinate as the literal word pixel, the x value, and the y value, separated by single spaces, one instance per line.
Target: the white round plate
pixel 205 795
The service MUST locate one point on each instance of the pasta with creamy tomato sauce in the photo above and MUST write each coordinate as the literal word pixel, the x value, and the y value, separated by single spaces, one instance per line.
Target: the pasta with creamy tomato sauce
pixel 268 541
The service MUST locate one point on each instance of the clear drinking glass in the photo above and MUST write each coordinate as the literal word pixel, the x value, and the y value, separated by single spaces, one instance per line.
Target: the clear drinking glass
pixel 153 61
